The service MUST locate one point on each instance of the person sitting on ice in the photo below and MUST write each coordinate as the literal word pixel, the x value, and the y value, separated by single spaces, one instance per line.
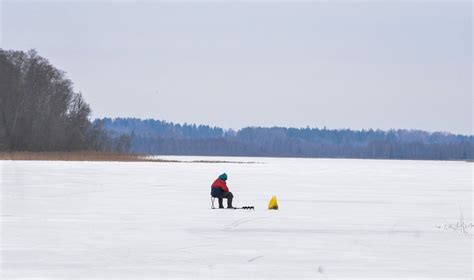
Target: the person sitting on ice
pixel 220 190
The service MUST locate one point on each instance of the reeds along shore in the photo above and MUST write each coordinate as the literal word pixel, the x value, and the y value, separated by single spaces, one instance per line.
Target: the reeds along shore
pixel 99 156
pixel 72 156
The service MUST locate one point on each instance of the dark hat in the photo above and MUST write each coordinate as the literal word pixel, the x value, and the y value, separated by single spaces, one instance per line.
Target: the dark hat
pixel 223 176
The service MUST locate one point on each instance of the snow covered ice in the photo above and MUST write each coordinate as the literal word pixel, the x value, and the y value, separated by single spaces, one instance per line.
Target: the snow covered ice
pixel 136 220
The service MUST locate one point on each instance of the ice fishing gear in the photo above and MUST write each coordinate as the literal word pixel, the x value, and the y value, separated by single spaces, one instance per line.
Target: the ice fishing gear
pixel 273 203
pixel 243 208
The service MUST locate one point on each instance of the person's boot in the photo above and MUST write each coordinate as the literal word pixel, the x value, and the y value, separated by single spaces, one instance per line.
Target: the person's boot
pixel 229 202
pixel 221 202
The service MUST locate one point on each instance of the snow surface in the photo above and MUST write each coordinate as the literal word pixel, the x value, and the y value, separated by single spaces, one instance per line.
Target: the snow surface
pixel 138 220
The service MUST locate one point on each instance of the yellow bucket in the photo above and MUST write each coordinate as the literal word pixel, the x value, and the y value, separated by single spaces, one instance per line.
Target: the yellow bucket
pixel 273 204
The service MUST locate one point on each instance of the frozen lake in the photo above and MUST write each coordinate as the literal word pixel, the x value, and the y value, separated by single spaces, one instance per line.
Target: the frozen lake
pixel 337 218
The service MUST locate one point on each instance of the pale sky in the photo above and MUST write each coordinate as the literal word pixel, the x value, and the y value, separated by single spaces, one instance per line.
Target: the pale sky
pixel 384 64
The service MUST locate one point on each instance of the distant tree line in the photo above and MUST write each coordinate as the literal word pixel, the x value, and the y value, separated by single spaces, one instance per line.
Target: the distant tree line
pixel 40 111
pixel 165 138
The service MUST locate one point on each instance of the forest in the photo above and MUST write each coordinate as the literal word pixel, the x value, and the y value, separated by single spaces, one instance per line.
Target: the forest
pixel 40 111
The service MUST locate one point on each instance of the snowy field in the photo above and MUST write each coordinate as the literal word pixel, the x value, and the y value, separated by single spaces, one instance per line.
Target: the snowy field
pixel 337 219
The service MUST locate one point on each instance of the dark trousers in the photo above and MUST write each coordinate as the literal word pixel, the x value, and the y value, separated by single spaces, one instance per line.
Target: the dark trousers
pixel 229 197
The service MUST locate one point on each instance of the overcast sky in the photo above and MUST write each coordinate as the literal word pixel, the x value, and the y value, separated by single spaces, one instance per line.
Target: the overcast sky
pixel 341 65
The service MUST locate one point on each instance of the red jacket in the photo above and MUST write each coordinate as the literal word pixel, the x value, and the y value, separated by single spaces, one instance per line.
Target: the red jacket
pixel 218 183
